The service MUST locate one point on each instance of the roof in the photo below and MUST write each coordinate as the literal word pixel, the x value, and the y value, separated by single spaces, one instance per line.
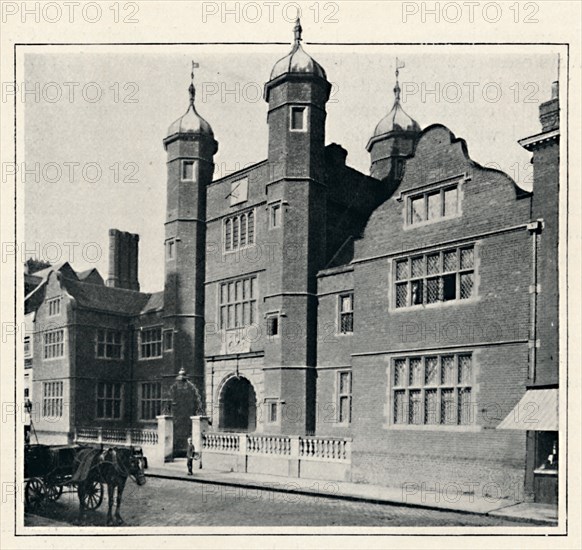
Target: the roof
pixel 155 302
pixel 91 276
pixel 63 267
pixel 529 143
pixel 297 61
pixel 543 402
pixel 82 287
pixel 32 279
pixel 190 123
pixel 34 283
pixel 105 298
pixel 82 275
pixel 396 119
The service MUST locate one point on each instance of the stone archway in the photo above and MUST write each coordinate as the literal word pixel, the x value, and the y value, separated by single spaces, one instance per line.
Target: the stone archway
pixel 183 400
pixel 238 406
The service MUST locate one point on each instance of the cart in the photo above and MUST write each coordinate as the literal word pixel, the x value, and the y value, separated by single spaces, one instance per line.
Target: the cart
pixel 48 473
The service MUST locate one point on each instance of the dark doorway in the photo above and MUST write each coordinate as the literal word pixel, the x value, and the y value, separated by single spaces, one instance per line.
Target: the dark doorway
pixel 238 406
pixel 184 401
pixel 546 471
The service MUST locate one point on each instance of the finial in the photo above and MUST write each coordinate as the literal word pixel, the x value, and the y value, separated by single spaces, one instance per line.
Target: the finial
pixel 297 30
pixel 397 86
pixel 191 88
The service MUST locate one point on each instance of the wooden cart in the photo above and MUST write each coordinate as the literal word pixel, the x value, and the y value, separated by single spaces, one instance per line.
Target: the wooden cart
pixel 48 472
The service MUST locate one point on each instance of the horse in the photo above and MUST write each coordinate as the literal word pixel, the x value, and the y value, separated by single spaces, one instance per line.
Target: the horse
pixel 111 466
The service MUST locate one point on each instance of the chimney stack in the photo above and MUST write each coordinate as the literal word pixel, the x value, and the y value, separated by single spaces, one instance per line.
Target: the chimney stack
pixel 550 111
pixel 335 155
pixel 123 260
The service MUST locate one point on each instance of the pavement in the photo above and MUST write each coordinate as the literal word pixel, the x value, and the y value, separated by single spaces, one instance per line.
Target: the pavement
pixel 541 514
pixel 163 502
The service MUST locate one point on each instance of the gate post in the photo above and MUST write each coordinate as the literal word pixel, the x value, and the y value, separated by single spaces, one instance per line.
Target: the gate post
pixel 199 426
pixel 294 461
pixel 242 451
pixel 165 448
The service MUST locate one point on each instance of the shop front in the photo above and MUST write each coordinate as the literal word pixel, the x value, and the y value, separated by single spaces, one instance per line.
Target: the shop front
pixel 537 413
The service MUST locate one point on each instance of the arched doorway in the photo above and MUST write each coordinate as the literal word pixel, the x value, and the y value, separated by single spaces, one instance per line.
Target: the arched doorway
pixel 183 401
pixel 238 406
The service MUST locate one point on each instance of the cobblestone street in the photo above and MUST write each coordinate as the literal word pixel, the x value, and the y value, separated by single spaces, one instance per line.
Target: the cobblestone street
pixel 165 502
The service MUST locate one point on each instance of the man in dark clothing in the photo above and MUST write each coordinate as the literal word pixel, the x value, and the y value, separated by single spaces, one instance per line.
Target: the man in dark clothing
pixel 190 455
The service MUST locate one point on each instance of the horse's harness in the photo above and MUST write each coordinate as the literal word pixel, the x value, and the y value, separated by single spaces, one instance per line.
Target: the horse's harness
pixel 103 458
pixel 119 466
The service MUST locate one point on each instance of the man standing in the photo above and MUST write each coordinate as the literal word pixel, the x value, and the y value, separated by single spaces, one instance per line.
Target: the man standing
pixel 190 455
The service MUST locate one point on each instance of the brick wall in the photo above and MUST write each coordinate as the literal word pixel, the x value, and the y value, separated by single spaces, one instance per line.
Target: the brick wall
pixel 477 453
pixel 493 325
pixel 545 205
pixel 254 260
pixel 54 369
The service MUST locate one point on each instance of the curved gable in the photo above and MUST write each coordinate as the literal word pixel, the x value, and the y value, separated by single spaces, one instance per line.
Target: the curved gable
pixel 487 199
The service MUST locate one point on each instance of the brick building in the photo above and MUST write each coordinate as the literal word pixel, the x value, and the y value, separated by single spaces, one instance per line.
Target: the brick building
pixel 411 309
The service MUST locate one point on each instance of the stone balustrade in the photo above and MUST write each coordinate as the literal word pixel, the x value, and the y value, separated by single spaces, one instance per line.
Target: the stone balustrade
pixel 326 449
pixel 221 442
pixel 144 437
pixel 289 455
pixel 116 436
pixel 269 444
pixel 157 442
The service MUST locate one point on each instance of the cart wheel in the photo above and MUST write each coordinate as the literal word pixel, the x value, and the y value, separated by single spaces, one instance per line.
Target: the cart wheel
pixel 34 493
pixel 54 492
pixel 92 494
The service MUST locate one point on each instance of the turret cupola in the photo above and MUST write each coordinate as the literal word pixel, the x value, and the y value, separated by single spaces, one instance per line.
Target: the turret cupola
pixel 190 149
pixel 297 61
pixel 393 139
pixel 397 120
pixel 297 92
pixel 191 122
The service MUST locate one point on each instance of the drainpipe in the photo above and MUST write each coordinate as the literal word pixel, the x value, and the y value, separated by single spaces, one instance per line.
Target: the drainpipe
pixel 535 228
pixel 71 343
pixel 212 394
pixel 130 354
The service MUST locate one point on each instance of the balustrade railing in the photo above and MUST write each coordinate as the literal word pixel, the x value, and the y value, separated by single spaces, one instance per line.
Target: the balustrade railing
pixel 144 437
pixel 325 449
pixel 221 442
pixel 120 436
pixel 269 444
pixel 87 434
pixel 114 435
pixel 321 448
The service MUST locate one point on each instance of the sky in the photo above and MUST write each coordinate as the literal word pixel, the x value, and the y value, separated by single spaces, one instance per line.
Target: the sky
pixel 93 122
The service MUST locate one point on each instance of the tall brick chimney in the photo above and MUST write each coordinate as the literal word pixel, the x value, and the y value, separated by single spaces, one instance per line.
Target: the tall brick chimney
pixel 123 260
pixel 550 111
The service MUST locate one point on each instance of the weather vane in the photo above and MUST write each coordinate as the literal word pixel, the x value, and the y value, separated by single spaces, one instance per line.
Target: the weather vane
pixel 191 88
pixel 194 66
pixel 297 30
pixel 399 65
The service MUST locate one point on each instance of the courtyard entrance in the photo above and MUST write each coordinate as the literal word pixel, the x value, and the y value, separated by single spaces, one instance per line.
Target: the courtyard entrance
pixel 238 406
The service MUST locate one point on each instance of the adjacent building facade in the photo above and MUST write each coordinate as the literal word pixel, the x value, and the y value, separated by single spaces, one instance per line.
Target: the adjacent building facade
pixel 411 309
